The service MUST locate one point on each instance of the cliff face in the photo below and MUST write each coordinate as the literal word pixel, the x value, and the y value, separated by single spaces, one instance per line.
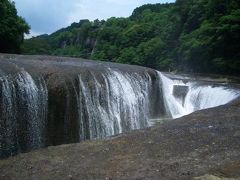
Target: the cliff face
pixel 205 144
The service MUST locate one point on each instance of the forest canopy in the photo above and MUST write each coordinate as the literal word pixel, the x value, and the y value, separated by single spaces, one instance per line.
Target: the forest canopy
pixel 12 28
pixel 188 35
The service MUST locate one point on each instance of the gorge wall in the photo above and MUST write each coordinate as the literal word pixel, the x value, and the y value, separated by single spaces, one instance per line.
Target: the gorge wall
pixel 48 100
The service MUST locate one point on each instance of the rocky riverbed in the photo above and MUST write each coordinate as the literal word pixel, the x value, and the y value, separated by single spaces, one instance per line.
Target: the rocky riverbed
pixel 203 145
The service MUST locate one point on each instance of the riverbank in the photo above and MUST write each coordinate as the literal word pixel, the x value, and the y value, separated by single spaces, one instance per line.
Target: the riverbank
pixel 205 142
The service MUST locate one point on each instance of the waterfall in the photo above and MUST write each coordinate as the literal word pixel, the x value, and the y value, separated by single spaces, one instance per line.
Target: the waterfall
pixel 32 109
pixel 23 112
pixel 8 123
pixel 116 104
pixel 59 101
pixel 199 96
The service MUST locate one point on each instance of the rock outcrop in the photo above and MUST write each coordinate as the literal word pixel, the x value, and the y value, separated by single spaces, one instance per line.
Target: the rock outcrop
pixel 204 144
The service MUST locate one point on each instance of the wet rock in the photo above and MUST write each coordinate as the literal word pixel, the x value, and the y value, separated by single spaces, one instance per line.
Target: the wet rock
pixel 180 92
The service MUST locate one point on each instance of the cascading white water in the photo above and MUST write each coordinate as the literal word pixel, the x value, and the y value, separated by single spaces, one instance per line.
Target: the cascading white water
pixel 198 96
pixel 23 112
pixel 117 104
pixel 8 121
pixel 33 98
pixel 132 95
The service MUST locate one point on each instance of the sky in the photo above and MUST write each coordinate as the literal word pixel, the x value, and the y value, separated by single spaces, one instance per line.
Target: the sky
pixel 47 16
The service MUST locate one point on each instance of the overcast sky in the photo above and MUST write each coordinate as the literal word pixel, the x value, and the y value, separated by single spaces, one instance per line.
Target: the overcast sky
pixel 47 16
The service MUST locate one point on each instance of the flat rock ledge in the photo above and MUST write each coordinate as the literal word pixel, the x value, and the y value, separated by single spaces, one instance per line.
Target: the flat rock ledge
pixel 203 145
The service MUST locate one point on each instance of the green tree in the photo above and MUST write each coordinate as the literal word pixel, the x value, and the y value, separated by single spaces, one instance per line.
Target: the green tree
pixel 129 56
pixel 152 53
pixel 188 35
pixel 12 28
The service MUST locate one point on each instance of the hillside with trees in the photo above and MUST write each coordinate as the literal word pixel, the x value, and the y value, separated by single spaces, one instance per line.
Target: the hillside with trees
pixel 188 36
pixel 12 28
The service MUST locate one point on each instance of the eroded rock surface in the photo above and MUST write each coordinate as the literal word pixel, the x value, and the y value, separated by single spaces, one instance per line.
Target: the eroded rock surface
pixel 205 143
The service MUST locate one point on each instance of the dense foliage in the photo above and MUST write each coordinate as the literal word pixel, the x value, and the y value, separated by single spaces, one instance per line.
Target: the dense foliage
pixel 188 35
pixel 12 28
